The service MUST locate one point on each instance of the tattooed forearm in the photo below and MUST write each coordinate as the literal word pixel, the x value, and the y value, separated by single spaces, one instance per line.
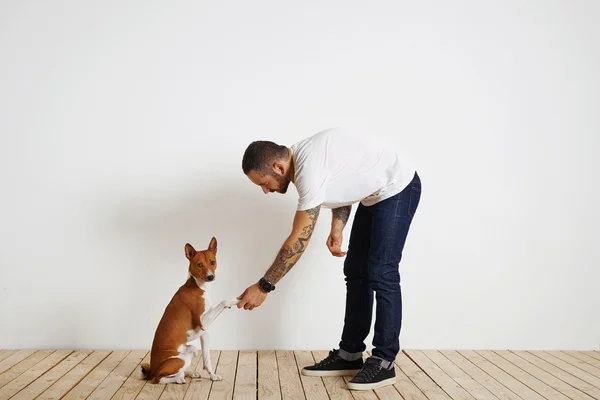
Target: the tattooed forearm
pixel 292 249
pixel 340 217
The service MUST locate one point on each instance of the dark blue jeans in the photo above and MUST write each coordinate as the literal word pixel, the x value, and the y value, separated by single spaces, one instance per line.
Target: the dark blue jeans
pixel 371 268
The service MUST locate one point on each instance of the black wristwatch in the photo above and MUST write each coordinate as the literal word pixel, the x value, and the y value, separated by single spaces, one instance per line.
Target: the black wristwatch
pixel 265 285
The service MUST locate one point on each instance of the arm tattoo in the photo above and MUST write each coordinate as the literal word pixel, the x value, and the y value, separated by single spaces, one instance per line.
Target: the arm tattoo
pixel 290 252
pixel 342 213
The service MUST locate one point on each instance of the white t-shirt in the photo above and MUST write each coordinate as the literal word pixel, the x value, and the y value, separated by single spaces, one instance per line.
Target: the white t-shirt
pixel 339 167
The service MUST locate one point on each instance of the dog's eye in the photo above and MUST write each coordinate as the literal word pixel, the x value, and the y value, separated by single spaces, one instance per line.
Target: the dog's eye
pixel 212 262
pixel 200 265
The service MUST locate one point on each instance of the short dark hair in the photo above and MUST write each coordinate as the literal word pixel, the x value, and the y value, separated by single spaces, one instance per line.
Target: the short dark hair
pixel 260 154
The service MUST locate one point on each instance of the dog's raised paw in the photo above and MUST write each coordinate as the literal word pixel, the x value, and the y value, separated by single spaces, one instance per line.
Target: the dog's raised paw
pixel 231 302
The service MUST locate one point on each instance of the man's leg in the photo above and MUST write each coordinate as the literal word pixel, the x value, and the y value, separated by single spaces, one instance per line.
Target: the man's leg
pixel 348 359
pixel 391 220
pixel 359 295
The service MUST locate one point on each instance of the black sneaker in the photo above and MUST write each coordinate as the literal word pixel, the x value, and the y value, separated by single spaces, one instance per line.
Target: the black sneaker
pixel 372 376
pixel 333 365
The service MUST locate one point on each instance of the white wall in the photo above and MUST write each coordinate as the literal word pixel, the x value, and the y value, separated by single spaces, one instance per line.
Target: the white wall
pixel 108 168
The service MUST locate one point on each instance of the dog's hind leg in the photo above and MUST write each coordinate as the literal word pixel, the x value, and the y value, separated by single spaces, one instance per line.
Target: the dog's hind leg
pixel 190 352
pixel 176 378
pixel 204 341
pixel 171 371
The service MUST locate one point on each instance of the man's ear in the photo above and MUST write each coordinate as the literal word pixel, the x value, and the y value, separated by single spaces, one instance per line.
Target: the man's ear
pixel 190 252
pixel 279 168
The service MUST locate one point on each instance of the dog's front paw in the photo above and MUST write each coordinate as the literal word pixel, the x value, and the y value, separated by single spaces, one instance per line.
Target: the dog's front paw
pixel 214 377
pixel 231 302
pixel 194 374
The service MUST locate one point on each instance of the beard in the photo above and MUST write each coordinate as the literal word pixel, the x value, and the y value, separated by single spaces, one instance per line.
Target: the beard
pixel 282 183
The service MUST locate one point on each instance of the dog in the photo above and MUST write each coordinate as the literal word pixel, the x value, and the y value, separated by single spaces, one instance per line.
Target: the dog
pixel 187 317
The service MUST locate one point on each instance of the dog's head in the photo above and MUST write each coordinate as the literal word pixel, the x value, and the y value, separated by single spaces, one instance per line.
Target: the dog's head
pixel 203 264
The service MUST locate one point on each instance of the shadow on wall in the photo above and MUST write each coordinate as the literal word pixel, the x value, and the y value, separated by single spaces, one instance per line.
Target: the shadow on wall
pixel 153 225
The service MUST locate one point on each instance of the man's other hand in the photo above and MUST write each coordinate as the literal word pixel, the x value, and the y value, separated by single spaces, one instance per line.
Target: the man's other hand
pixel 334 243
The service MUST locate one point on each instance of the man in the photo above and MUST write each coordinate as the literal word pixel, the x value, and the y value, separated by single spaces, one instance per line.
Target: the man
pixel 335 169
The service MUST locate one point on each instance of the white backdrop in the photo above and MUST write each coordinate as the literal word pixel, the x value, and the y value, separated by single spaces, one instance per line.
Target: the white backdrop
pixel 123 126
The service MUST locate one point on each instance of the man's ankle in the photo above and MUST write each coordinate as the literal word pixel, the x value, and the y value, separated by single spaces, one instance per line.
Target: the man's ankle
pixel 345 355
pixel 384 363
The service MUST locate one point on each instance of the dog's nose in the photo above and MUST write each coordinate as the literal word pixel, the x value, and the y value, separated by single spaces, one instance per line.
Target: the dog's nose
pixel 210 277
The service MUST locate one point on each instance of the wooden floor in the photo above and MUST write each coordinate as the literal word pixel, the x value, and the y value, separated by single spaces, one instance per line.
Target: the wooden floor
pixel 433 375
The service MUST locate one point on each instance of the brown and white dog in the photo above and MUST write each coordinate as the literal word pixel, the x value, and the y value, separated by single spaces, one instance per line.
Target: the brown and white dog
pixel 187 317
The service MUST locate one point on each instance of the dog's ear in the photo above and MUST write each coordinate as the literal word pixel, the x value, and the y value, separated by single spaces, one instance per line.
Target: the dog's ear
pixel 213 245
pixel 190 252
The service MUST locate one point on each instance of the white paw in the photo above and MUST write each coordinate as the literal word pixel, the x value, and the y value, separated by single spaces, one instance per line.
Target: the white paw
pixel 194 374
pixel 232 302
pixel 214 377
pixel 180 380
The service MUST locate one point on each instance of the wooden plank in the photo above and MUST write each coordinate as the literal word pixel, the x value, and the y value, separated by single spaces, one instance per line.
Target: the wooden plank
pixel 46 380
pixel 17 384
pixel 178 391
pixel 480 376
pixel 6 353
pixel 73 377
pixel 134 383
pixel 334 385
pixel 582 356
pixel 245 377
pixel 223 390
pixel 289 381
pixel 454 390
pixel 407 389
pixel 151 391
pixel 115 379
pixel 23 366
pixel 14 359
pixel 544 376
pixel 501 376
pixel 314 388
pixel 420 379
pixel 559 373
pixel 200 388
pixel 476 389
pixel 87 385
pixel 573 370
pixel 527 379
pixel 268 376
pixel 593 354
pixel 577 362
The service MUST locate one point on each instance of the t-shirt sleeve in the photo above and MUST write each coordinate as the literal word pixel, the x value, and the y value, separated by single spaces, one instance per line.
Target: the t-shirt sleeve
pixel 311 190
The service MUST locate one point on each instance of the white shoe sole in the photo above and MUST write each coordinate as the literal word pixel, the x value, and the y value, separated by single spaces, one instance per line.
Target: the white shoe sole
pixel 341 372
pixel 371 386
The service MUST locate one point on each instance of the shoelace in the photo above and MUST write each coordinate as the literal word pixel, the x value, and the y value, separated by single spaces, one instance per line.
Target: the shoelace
pixel 368 372
pixel 330 358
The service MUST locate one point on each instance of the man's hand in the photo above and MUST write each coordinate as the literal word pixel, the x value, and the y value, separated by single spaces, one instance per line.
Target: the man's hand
pixel 252 297
pixel 339 218
pixel 334 243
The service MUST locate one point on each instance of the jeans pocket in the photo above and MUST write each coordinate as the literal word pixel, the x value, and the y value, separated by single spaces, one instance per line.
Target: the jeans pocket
pixel 414 198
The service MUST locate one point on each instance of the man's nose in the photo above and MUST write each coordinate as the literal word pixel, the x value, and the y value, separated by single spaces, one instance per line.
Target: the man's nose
pixel 265 190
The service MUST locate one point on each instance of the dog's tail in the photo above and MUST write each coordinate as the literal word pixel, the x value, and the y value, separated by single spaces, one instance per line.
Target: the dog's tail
pixel 146 371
